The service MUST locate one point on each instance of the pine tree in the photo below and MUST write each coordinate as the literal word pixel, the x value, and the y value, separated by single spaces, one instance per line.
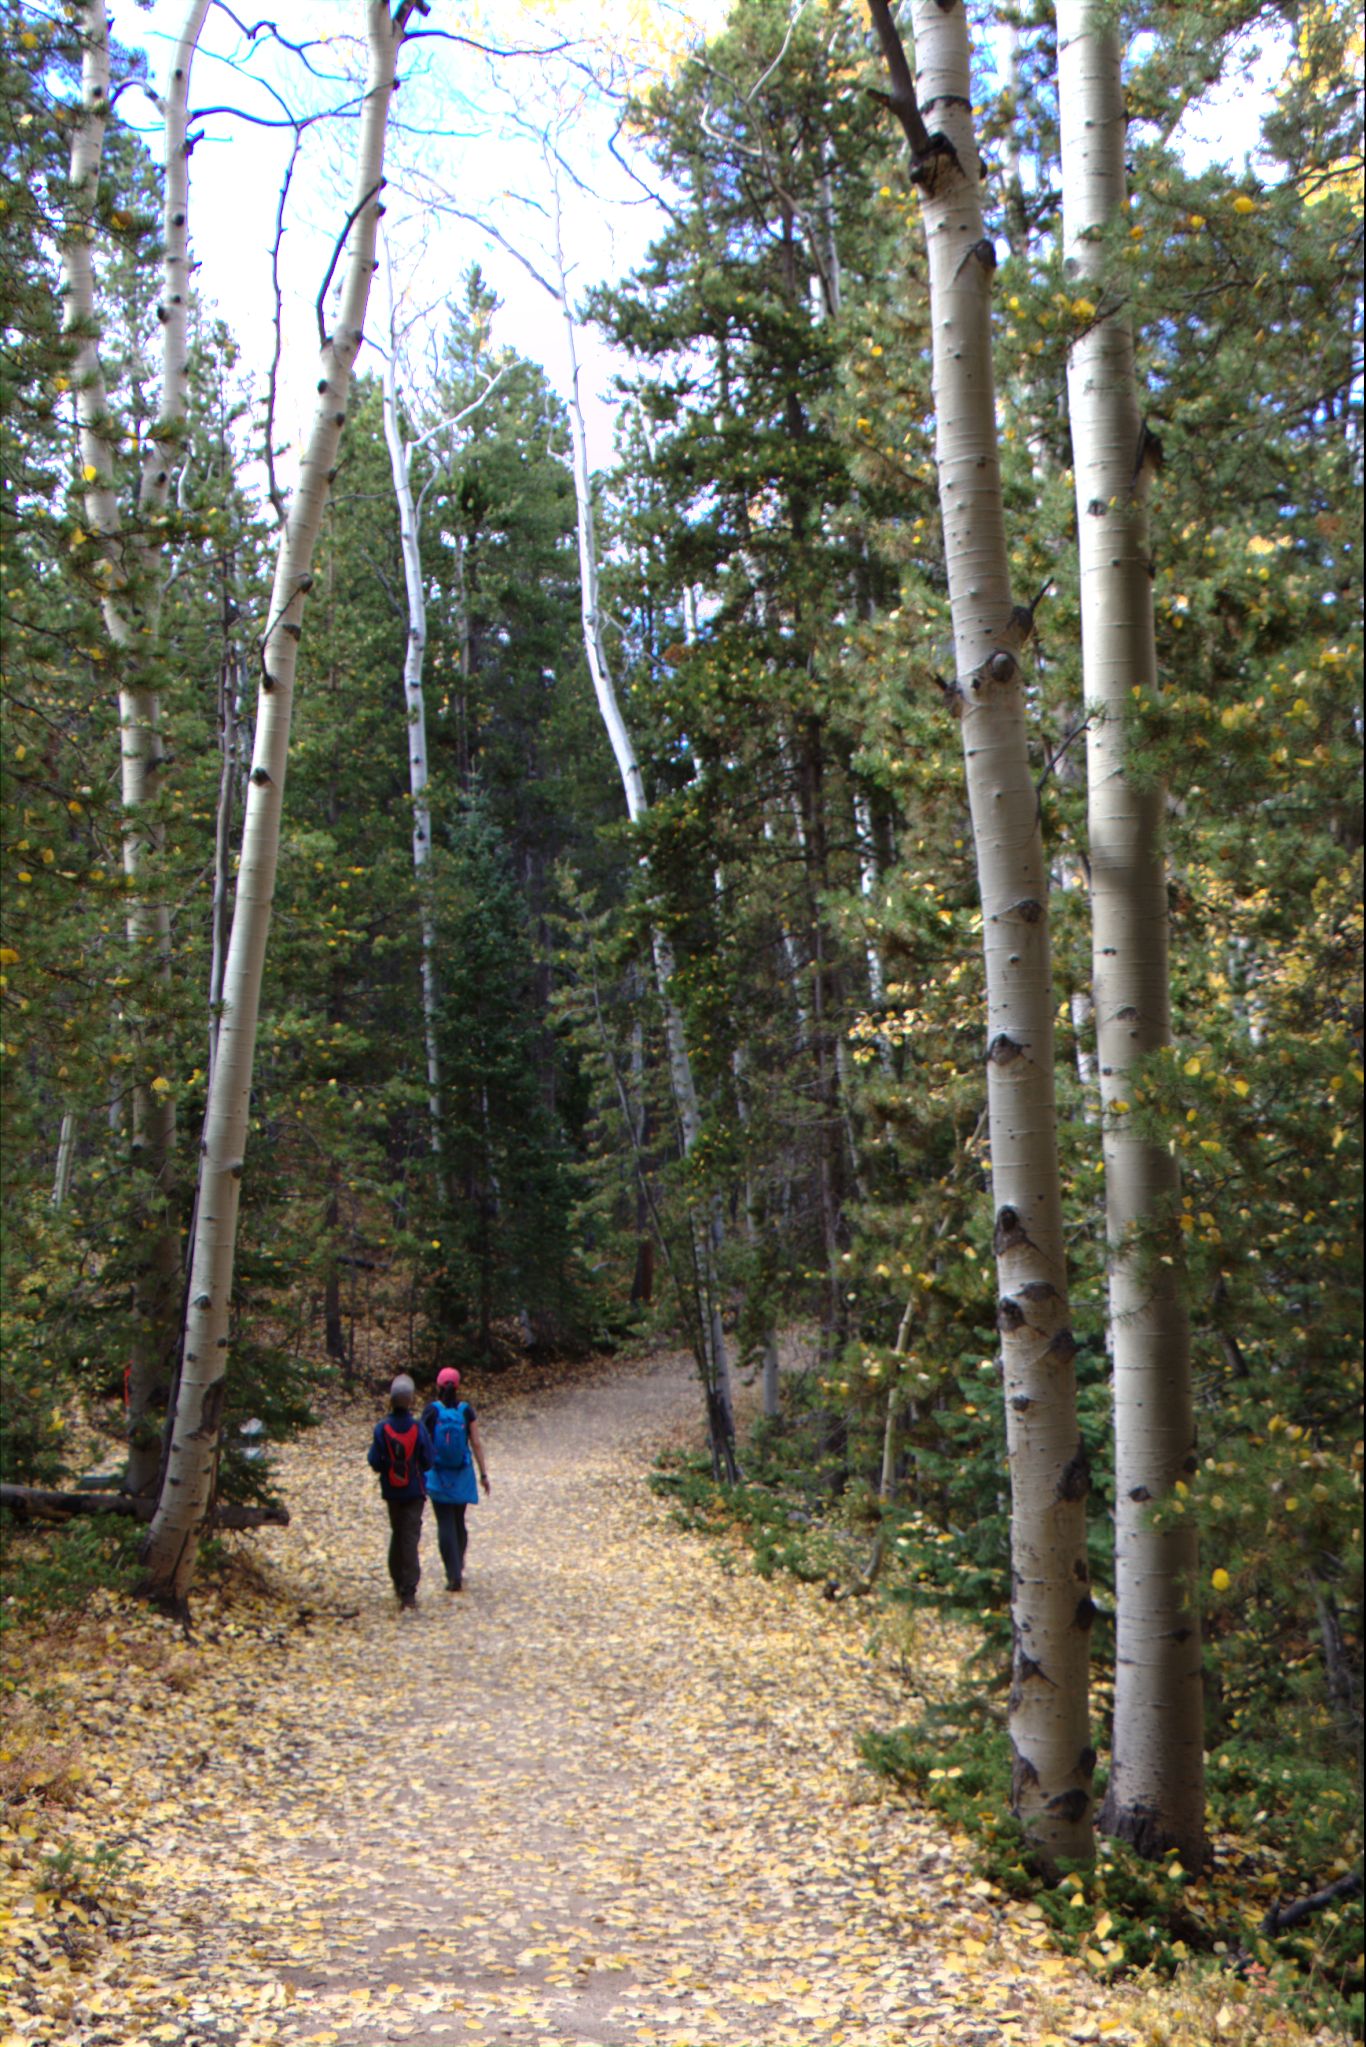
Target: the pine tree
pixel 506 1248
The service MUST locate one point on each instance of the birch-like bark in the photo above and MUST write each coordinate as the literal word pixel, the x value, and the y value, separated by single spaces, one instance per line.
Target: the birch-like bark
pixel 414 658
pixel 66 1159
pixel 891 1444
pixel 131 601
pixel 869 880
pixel 171 1546
pixel 1017 230
pixel 415 705
pixel 720 1392
pixel 222 847
pixel 1050 1601
pixel 792 959
pixel 1155 1797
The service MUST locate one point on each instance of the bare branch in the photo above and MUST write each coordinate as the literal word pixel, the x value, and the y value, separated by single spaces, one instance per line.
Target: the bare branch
pixel 272 383
pixel 270 30
pixel 464 413
pixel 445 35
pixel 901 99
pixel 791 24
pixel 347 111
pixel 651 196
pixel 352 217
pixel 440 427
pixel 485 227
pixel 388 589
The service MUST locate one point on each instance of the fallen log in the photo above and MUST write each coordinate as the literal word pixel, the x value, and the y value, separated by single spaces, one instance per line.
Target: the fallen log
pixel 1280 1917
pixel 25 1500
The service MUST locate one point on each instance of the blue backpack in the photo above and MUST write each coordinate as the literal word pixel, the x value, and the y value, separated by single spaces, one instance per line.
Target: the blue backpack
pixel 450 1437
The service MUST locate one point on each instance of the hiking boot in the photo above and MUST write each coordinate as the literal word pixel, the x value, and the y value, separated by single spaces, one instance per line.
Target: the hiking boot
pixel 409 1604
pixel 454 1585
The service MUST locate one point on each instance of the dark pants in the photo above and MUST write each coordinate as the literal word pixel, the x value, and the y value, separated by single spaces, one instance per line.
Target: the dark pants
pixel 405 1520
pixel 451 1537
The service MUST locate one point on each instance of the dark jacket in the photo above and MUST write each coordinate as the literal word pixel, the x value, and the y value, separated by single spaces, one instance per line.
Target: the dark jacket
pixel 377 1456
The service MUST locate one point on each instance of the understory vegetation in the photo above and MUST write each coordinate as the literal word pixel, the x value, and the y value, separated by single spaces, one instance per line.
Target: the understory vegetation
pixel 1285 1820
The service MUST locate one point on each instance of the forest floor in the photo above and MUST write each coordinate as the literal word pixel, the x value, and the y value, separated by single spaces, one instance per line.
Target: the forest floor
pixel 608 1794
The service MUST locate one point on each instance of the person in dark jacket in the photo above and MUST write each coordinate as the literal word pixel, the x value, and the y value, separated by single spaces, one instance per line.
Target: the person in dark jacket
pixel 401 1452
pixel 450 1486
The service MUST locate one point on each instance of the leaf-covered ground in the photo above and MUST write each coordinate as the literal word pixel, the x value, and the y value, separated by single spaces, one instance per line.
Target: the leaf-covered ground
pixel 608 1794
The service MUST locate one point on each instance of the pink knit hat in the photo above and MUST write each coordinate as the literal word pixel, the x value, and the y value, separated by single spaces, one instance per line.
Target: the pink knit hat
pixel 448 1376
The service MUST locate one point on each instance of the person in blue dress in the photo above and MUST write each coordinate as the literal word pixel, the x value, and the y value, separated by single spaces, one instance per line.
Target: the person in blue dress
pixel 457 1449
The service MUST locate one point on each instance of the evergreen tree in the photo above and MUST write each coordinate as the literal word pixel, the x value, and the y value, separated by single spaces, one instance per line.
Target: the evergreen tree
pixel 505 1243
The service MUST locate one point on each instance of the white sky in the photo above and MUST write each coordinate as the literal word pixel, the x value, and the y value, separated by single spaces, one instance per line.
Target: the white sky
pixel 237 170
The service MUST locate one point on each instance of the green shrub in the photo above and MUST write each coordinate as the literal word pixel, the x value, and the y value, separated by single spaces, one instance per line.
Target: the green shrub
pixel 1277 1830
pixel 43 1570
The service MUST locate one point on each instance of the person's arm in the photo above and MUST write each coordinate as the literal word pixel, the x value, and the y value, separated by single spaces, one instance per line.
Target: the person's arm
pixel 374 1456
pixel 477 1445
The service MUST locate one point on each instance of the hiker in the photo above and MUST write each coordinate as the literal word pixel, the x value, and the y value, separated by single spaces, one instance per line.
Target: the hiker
pixel 400 1451
pixel 454 1436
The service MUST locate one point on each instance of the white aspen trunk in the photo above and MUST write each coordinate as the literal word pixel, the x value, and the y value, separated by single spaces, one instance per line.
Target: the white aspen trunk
pixel 174 310
pixel 171 1545
pixel 793 961
pixel 886 1484
pixel 1010 140
pixel 132 579
pixel 66 1159
pixel 1155 1797
pixel 414 702
pixel 891 1444
pixel 868 887
pixel 869 882
pixel 844 1081
pixel 1069 876
pixel 681 1080
pixel 159 1288
pixel 1050 1604
pixel 222 849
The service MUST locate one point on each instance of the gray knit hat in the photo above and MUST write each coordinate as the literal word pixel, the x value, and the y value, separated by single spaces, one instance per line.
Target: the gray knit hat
pixel 402 1391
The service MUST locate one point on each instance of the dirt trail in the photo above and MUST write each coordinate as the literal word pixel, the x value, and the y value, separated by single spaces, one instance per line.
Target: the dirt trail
pixel 609 1794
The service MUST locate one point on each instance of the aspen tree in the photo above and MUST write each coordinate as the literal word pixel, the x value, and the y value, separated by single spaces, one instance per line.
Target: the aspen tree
pixel 1050 1590
pixel 132 579
pixel 1155 1796
pixel 415 707
pixel 410 533
pixel 720 1395
pixel 171 1547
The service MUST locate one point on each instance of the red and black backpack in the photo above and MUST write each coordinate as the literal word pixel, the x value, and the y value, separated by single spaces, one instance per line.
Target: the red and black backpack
pixel 400 1450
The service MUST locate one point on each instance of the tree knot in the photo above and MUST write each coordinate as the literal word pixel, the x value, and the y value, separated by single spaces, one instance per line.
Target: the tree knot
pixel 1074 1483
pixel 1009 1234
